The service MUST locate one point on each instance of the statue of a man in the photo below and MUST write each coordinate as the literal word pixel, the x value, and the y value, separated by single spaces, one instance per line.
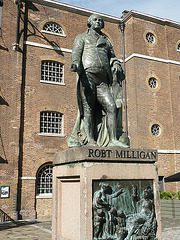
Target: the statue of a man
pixel 98 70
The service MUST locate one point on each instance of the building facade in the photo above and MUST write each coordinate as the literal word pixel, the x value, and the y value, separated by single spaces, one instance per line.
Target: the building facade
pixel 38 94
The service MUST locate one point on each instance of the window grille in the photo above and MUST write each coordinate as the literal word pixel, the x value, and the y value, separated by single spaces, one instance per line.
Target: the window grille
pixel 178 48
pixel 53 27
pixel 153 83
pixel 156 130
pixel 150 37
pixel 44 180
pixel 51 122
pixel 52 72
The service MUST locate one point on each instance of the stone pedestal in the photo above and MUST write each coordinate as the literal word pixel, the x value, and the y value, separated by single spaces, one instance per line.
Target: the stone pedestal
pixel 77 175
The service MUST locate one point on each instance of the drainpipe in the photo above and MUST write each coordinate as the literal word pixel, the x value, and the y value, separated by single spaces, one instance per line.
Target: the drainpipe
pixel 122 27
pixel 1 5
pixel 22 112
pixel 19 6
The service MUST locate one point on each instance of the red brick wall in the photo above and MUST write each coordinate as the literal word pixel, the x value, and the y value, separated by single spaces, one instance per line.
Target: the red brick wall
pixel 10 83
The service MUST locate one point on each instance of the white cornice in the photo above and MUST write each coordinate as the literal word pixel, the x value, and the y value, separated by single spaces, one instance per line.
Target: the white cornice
pixel 40 45
pixel 87 12
pixel 28 178
pixel 151 58
pixel 75 9
pixel 160 151
pixel 146 16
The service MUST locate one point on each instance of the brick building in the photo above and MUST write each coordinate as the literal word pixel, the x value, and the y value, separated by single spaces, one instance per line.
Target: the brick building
pixel 38 94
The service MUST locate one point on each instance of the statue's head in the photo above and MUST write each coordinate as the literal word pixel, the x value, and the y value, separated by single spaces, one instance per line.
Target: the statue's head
pixel 106 188
pixel 95 21
pixel 148 193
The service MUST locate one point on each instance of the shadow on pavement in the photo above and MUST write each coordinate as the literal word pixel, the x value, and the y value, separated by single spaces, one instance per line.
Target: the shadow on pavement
pixel 14 224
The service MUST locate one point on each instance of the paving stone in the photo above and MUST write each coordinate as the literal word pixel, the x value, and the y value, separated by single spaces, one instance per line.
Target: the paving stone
pixel 42 230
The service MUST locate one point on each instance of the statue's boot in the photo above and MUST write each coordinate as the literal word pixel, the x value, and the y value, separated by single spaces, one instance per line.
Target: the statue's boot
pixel 111 125
pixel 89 130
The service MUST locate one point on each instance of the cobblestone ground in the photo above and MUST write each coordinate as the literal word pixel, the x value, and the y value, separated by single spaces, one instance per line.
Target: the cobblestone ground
pixel 170 229
pixel 31 230
pixel 41 230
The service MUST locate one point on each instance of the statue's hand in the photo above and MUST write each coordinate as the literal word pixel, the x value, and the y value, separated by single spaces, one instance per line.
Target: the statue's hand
pixel 122 190
pixel 73 67
pixel 117 73
pixel 114 69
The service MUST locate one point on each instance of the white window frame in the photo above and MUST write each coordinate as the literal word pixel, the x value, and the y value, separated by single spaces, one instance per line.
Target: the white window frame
pixel 39 186
pixel 54 33
pixel 53 82
pixel 50 134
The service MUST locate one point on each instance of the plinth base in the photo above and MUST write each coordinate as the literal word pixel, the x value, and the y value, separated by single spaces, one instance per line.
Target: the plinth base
pixel 78 179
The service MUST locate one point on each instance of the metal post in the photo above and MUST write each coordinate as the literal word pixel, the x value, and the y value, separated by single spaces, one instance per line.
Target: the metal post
pixel 122 27
pixel 1 4
pixel 19 6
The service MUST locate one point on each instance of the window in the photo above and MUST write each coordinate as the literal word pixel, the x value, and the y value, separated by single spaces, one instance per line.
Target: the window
pixel 150 37
pixel 161 183
pixel 44 180
pixel 156 130
pixel 52 72
pixel 153 83
pixel 51 123
pixel 53 28
pixel 178 47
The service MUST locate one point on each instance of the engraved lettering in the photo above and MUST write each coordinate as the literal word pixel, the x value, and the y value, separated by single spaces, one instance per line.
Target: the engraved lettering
pixel 142 155
pixel 103 153
pixel 135 154
pixel 91 153
pixel 109 153
pixel 118 155
pixel 97 153
pixel 153 155
pixel 128 155
pixel 147 155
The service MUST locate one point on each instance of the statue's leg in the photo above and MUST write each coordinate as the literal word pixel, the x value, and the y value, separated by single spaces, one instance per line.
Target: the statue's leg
pixel 105 98
pixel 88 91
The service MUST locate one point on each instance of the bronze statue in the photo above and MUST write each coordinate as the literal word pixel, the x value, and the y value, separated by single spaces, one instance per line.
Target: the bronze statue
pixel 99 92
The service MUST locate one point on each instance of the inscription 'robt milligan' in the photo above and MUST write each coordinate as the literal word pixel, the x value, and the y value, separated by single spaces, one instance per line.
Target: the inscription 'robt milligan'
pixel 122 154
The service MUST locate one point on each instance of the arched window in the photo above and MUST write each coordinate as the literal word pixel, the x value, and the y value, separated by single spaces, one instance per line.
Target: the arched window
pixel 44 180
pixel 52 72
pixel 53 28
pixel 51 122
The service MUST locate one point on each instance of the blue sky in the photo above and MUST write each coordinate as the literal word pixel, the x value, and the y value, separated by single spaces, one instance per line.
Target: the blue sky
pixel 160 8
